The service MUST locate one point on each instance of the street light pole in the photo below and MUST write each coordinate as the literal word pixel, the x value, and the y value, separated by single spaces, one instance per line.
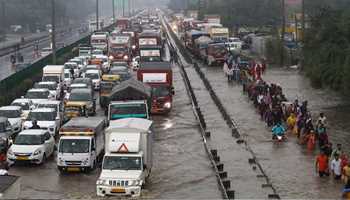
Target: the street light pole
pixel 97 17
pixel 53 31
pixel 113 9
pixel 302 19
pixel 283 31
pixel 123 6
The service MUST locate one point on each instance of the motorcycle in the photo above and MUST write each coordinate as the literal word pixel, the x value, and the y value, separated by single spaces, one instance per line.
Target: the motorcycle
pixel 279 138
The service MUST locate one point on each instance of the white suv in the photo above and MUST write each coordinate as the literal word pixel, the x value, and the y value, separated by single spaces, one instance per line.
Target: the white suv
pixel 32 146
pixel 14 115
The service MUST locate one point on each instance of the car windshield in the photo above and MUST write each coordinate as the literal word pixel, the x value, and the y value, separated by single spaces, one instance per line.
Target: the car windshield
pixel 121 163
pixel 24 106
pixel 69 66
pixel 160 91
pixel 29 140
pixel 48 86
pixel 74 146
pixel 92 75
pixel 51 79
pixel 41 116
pixel 119 111
pixel 37 94
pixel 66 75
pixel 218 49
pixel 80 96
pixel 42 105
pixel 10 113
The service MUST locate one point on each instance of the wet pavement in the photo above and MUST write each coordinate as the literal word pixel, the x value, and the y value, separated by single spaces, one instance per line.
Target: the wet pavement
pixel 181 168
pixel 289 166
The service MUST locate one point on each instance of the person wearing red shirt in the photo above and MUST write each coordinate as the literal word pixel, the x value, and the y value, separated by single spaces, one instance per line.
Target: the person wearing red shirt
pixel 321 164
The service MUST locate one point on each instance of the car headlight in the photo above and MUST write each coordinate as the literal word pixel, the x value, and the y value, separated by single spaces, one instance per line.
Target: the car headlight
pixel 60 161
pixel 167 105
pixel 37 152
pixel 126 57
pixel 101 182
pixel 86 161
pixel 133 46
pixel 111 57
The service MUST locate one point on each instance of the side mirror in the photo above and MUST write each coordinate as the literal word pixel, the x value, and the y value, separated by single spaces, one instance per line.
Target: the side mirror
pixel 144 167
pixel 57 118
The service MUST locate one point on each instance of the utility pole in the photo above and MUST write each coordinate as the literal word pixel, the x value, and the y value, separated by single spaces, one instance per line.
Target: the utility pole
pixel 53 31
pixel 113 9
pixel 3 14
pixel 283 31
pixel 129 8
pixel 97 17
pixel 302 20
pixel 296 28
pixel 123 5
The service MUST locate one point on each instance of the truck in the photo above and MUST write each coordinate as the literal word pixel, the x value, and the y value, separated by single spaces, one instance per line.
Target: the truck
pixel 123 23
pixel 191 36
pixel 81 144
pixel 127 162
pixel 151 53
pixel 128 109
pixel 212 19
pixel 149 38
pixel 216 53
pixel 99 41
pixel 54 73
pixel 219 34
pixel 120 48
pixel 159 76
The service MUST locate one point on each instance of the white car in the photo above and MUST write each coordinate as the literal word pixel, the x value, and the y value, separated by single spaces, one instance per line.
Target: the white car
pixel 38 94
pixel 32 146
pixel 95 76
pixel 57 105
pixel 79 62
pixel 67 78
pixel 47 119
pixel 26 104
pixel 14 115
pixel 74 66
pixel 53 88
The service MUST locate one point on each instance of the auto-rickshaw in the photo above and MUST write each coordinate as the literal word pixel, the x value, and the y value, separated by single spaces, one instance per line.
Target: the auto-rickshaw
pixel 74 109
pixel 107 84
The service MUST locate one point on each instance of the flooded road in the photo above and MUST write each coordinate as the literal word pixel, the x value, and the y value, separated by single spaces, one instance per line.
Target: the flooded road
pixel 181 168
pixel 289 166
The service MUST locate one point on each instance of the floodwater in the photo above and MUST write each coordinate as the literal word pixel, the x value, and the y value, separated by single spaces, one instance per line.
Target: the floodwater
pixel 289 166
pixel 181 168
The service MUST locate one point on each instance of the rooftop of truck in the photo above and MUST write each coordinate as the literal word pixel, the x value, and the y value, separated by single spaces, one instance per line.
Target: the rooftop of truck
pixel 84 122
pixel 155 65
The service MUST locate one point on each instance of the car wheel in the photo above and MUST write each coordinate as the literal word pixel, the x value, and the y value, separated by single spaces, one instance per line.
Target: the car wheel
pixel 43 160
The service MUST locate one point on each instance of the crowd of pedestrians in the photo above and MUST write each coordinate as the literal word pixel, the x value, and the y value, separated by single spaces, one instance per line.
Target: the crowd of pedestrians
pixel 294 118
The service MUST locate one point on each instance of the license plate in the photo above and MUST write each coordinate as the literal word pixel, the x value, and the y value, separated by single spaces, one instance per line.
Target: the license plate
pixel 22 158
pixel 73 169
pixel 118 190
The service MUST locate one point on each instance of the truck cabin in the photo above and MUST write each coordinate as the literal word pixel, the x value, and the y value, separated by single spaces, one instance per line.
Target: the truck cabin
pixel 151 53
pixel 218 50
pixel 133 37
pixel 107 84
pixel 192 35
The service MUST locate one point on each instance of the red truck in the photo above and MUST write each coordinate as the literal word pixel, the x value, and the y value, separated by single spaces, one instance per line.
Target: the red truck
pixel 159 76
pixel 133 38
pixel 120 48
pixel 150 38
pixel 216 53
pixel 123 23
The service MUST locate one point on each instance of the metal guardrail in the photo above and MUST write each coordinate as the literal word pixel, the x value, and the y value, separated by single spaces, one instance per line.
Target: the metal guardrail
pixel 229 121
pixel 17 84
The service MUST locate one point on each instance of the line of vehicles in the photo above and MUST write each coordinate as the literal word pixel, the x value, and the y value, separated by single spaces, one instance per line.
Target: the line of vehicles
pixel 127 71
pixel 207 39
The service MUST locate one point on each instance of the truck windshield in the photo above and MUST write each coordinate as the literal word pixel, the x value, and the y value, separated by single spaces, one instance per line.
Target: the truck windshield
pixel 51 79
pixel 74 146
pixel 117 50
pixel 120 111
pixel 37 95
pixel 160 91
pixel 218 49
pixel 122 163
pixel 48 86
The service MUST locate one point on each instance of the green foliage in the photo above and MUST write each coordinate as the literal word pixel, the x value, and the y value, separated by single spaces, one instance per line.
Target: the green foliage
pixel 327 49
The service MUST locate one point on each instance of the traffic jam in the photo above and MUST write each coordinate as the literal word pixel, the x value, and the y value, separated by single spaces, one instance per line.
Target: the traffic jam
pixel 96 110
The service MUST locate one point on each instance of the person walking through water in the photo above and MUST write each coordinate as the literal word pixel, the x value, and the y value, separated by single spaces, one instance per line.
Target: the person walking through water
pixel 336 167
pixel 321 165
